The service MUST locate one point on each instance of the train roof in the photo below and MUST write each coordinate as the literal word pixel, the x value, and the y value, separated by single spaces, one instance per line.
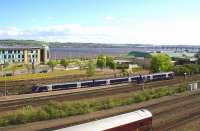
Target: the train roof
pixel 86 81
pixel 118 78
pixel 161 73
pixel 111 122
pixel 66 83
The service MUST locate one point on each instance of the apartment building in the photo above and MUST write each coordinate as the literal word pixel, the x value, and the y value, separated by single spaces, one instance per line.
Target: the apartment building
pixel 24 54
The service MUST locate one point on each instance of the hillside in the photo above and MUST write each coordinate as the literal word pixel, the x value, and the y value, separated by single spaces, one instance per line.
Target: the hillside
pixel 21 42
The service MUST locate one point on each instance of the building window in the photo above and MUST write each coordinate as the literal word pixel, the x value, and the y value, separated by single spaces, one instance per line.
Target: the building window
pixel 31 51
pixel 10 51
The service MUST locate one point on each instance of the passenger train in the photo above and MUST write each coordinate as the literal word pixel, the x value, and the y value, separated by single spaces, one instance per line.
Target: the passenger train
pixel 140 120
pixel 103 82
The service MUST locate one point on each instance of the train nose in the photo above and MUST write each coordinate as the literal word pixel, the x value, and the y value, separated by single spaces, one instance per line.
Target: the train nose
pixel 34 89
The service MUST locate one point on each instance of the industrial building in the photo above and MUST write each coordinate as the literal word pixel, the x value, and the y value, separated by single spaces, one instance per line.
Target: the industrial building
pixel 24 54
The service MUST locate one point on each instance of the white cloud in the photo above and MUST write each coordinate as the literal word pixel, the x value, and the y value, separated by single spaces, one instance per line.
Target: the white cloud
pixel 109 18
pixel 50 17
pixel 153 32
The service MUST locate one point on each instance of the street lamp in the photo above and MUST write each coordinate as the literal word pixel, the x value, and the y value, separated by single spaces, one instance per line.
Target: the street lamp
pixel 5 90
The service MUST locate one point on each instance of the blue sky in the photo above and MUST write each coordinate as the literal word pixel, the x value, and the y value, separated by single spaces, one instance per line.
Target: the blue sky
pixel 107 21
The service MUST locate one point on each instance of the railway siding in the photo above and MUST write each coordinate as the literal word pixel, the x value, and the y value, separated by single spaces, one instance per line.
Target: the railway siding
pixel 59 123
pixel 15 102
pixel 43 94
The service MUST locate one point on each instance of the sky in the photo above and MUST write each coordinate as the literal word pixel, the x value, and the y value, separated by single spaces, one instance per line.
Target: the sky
pixel 102 21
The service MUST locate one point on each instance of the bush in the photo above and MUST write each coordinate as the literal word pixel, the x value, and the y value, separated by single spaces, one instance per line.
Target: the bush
pixel 189 69
pixel 139 98
pixel 91 68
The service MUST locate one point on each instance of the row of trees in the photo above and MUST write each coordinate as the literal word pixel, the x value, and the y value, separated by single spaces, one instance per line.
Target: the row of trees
pixel 102 62
pixel 160 62
pixel 188 69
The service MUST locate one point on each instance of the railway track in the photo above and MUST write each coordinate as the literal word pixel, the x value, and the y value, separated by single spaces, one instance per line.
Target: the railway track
pixel 186 116
pixel 159 107
pixel 32 101
pixel 167 116
pixel 25 86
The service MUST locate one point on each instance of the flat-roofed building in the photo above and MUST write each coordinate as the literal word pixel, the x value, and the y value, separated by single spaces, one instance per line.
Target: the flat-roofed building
pixel 24 54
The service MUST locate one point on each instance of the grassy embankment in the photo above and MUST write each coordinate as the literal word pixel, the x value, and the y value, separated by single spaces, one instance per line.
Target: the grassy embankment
pixel 54 110
pixel 54 74
pixel 60 73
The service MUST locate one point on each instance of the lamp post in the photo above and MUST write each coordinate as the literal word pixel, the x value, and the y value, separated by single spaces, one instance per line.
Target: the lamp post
pixel 5 89
pixel 2 71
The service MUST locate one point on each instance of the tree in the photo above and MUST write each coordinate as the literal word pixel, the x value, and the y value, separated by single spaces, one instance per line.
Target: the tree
pixel 113 65
pixel 91 68
pixel 124 72
pixel 161 62
pixel 52 64
pixel 110 62
pixel 65 63
pixel 197 55
pixel 101 61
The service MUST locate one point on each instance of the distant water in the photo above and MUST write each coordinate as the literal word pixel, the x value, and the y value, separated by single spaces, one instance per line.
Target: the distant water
pixel 72 52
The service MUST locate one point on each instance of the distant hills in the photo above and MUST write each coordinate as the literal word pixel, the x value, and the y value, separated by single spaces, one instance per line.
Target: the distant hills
pixel 11 42
pixel 21 42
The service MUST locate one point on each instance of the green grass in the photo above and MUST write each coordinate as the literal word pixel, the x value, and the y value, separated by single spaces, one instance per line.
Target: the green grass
pixel 137 69
pixel 53 74
pixel 54 110
pixel 18 67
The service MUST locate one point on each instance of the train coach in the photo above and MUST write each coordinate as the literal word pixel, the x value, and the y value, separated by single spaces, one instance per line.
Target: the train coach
pixel 140 120
pixel 104 82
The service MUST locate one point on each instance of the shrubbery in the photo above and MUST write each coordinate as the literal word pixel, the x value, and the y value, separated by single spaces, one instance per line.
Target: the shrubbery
pixel 188 68
pixel 54 110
